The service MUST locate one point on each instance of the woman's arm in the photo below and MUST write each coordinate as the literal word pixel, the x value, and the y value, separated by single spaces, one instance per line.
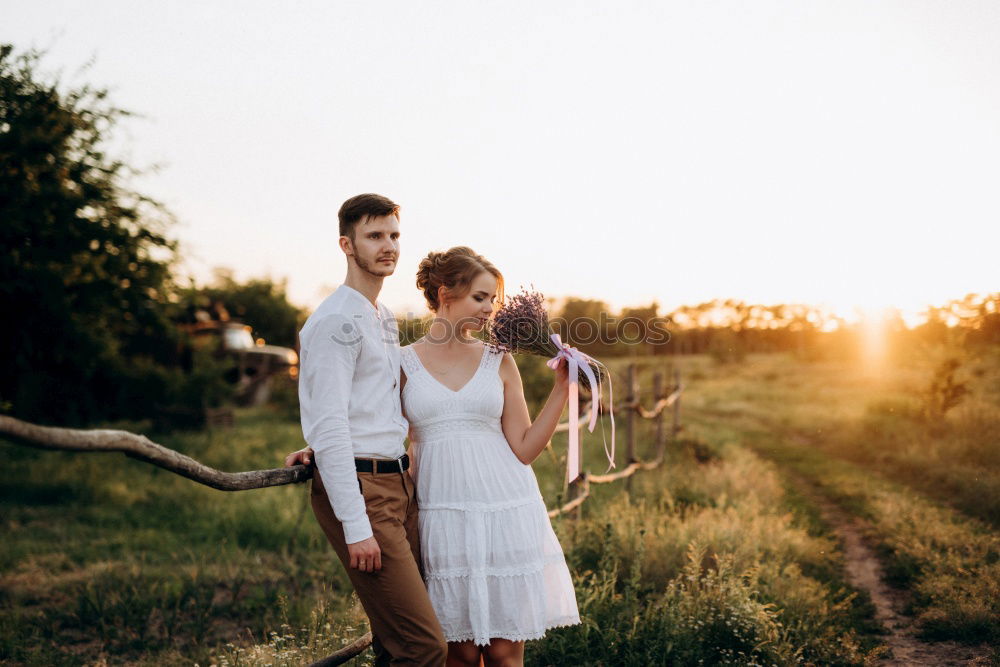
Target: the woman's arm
pixel 527 439
pixel 413 445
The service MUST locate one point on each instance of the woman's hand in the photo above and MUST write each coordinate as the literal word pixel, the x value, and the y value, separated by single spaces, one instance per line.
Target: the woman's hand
pixel 302 457
pixel 561 379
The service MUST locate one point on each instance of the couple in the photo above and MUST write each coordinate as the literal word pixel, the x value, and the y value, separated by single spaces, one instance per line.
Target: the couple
pixel 449 547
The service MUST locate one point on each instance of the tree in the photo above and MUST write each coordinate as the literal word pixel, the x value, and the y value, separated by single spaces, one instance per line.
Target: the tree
pixel 586 324
pixel 85 265
pixel 640 329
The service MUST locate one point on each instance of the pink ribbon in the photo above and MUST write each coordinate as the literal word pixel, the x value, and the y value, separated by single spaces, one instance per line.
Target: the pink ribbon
pixel 577 360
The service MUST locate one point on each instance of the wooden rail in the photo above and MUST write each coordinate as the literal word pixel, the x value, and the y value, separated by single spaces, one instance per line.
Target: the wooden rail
pixel 579 489
pixel 142 448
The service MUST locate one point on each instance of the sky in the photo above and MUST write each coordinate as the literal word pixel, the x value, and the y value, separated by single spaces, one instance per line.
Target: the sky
pixel 844 154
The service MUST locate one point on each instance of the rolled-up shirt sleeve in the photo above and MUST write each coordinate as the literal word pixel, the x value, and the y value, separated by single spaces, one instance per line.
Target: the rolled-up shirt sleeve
pixel 329 355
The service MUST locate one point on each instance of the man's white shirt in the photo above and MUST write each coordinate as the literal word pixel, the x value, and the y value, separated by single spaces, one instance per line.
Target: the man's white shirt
pixel 349 397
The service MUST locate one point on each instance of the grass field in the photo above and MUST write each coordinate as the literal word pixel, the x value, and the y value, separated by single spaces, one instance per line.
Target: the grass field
pixel 930 491
pixel 717 556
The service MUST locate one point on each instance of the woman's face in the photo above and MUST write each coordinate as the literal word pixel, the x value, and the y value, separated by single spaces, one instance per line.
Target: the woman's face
pixel 471 311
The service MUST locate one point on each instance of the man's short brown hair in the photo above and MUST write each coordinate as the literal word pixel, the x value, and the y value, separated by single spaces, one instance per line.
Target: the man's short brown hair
pixel 361 207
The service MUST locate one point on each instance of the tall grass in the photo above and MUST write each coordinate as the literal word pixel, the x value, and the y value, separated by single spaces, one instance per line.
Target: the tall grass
pixel 876 418
pixel 105 555
pixel 930 490
pixel 950 562
pixel 703 561
pixel 324 632
pixel 709 558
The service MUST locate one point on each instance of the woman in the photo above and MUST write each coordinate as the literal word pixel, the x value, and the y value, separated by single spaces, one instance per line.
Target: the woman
pixel 494 569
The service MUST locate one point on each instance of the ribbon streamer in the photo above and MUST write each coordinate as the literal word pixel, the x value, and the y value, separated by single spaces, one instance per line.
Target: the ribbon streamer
pixel 577 360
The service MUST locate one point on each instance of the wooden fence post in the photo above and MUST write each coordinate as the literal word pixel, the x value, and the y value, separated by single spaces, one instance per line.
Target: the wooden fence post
pixel 657 397
pixel 571 495
pixel 631 399
pixel 676 428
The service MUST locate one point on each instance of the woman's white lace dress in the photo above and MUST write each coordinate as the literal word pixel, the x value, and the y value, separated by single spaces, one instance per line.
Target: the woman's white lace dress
pixel 492 563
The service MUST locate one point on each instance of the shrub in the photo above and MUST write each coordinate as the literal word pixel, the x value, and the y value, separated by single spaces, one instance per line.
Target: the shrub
pixel 943 392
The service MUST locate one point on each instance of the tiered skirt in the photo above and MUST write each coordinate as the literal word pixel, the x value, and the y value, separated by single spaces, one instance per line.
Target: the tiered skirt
pixel 493 565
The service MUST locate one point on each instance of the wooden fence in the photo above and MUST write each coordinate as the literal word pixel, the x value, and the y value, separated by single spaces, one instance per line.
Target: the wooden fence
pixel 142 448
pixel 579 489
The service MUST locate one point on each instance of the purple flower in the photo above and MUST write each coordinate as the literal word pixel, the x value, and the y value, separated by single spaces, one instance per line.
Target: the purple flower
pixel 521 326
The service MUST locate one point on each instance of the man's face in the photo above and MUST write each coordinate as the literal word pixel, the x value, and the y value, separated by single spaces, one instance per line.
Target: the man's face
pixel 376 245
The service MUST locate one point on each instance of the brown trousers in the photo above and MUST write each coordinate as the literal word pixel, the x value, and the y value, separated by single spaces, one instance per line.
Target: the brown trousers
pixel 405 629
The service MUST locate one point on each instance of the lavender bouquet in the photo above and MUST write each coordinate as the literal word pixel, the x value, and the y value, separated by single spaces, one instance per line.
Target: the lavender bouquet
pixel 522 326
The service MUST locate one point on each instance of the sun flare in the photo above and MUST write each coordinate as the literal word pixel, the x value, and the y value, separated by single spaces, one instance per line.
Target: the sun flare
pixel 874 328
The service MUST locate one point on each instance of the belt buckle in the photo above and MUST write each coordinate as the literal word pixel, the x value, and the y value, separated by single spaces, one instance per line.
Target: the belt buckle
pixel 399 461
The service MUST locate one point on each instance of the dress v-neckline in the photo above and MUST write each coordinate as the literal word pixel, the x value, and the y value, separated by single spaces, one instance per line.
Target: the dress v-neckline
pixel 444 386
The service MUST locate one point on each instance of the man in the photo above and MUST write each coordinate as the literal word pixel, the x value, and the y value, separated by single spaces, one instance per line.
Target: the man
pixel 362 493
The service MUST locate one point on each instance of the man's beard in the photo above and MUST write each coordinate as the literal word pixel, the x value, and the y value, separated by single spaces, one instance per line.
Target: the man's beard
pixel 367 267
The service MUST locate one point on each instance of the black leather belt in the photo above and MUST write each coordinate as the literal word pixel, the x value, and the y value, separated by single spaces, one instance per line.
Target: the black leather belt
pixel 383 466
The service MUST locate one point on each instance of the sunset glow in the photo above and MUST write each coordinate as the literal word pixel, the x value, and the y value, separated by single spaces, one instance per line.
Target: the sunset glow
pixel 681 159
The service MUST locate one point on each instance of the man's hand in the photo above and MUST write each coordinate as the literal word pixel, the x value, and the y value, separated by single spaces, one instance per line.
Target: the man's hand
pixel 302 457
pixel 365 555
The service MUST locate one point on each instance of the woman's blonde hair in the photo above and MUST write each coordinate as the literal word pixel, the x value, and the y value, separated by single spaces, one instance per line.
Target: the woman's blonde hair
pixel 455 269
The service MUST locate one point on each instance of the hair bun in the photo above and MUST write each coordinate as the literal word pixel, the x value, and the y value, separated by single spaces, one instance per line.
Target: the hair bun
pixel 454 269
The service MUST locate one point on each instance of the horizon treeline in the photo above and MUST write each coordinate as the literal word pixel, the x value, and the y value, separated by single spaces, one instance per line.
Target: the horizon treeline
pixel 728 329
